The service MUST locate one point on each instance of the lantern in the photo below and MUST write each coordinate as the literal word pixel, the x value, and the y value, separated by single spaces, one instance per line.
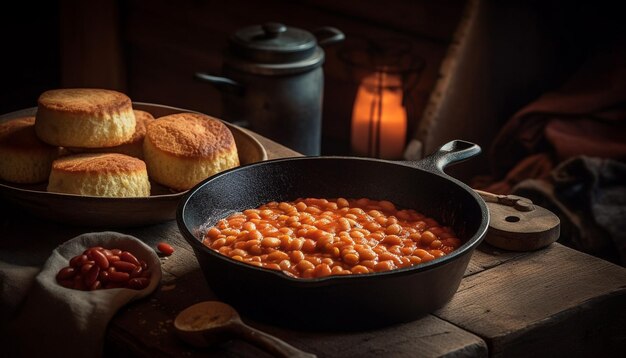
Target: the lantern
pixel 379 119
pixel 384 72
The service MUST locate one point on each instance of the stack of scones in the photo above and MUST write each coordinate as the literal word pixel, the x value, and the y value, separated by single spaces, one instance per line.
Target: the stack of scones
pixel 91 142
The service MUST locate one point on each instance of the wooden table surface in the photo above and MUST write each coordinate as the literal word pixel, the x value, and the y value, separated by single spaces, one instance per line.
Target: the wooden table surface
pixel 551 302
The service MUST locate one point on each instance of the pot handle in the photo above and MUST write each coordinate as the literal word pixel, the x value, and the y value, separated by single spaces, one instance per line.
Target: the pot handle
pixel 452 152
pixel 221 83
pixel 328 35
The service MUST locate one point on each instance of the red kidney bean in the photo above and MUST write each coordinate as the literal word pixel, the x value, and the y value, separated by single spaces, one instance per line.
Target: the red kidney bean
pixel 100 268
pixel 138 283
pixel 128 257
pixel 146 273
pixel 124 266
pixel 67 283
pixel 95 285
pixel 116 252
pixel 78 260
pixel 99 248
pixel 165 248
pixel 66 273
pixel 92 275
pixel 78 282
pixel 136 272
pixel 99 258
pixel 117 276
pixel 86 267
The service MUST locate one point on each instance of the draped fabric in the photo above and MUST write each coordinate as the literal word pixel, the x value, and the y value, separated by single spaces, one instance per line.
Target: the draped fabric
pixel 582 124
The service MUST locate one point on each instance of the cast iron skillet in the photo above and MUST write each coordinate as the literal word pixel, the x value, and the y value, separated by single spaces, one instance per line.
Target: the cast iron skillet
pixel 338 302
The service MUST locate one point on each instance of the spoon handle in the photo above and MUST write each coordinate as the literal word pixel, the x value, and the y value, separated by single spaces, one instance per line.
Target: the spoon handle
pixel 269 343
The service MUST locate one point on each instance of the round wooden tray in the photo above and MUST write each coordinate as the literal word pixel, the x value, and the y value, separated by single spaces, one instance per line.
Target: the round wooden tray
pixel 93 211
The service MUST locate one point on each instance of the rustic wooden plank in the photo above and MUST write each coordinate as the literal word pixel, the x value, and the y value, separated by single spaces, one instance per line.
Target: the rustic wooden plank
pixel 144 328
pixel 555 301
pixel 425 337
pixel 487 256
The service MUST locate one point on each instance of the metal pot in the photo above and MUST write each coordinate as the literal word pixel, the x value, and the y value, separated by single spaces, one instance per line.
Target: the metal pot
pixel 341 302
pixel 273 82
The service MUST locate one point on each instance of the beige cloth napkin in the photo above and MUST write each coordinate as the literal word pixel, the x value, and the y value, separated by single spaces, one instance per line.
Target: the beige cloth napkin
pixel 57 321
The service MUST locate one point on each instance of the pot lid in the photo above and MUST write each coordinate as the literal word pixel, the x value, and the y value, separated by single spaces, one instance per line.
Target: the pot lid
pixel 274 46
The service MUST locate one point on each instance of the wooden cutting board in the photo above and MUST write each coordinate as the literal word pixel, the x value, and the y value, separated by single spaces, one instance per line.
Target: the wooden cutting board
pixel 517 224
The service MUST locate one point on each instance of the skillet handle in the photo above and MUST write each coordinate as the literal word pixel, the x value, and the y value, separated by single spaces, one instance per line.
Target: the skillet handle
pixel 450 153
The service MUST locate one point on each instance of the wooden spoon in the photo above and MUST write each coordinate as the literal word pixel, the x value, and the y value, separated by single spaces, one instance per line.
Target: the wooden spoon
pixel 210 322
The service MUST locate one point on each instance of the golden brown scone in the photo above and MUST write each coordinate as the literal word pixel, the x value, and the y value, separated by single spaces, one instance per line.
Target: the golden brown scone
pixel 99 174
pixel 183 149
pixel 84 117
pixel 133 147
pixel 24 158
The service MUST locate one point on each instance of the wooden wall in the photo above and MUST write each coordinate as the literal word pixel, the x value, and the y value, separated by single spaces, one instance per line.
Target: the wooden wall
pixel 161 44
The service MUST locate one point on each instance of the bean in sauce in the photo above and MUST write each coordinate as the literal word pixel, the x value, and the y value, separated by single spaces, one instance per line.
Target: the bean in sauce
pixel 314 237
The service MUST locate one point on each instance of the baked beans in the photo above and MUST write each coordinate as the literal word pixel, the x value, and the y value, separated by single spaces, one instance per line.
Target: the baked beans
pixel 318 237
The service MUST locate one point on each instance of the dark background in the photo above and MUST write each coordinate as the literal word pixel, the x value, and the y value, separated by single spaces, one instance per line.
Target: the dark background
pixel 150 49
